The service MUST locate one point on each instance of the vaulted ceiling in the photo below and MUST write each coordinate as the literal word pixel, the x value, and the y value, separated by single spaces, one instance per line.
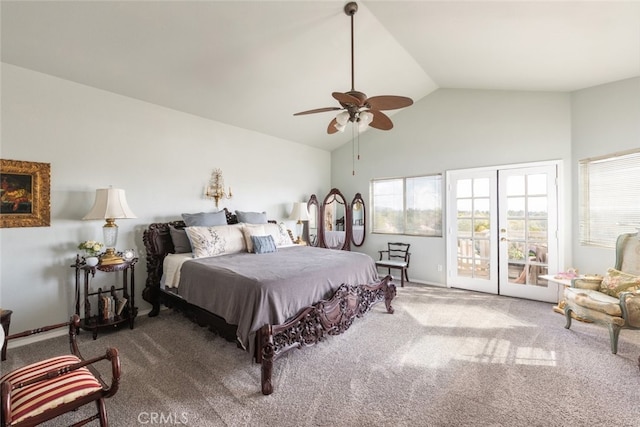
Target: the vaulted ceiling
pixel 253 64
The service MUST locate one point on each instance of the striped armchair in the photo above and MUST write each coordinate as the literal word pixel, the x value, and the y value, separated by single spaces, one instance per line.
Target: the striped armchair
pixel 49 388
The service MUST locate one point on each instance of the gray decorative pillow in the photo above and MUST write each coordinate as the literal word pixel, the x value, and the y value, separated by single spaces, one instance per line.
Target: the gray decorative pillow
pixel 205 219
pixel 263 244
pixel 181 242
pixel 252 217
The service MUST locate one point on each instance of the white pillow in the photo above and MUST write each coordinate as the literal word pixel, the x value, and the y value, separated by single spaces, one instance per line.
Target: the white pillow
pixel 252 230
pixel 277 231
pixel 217 240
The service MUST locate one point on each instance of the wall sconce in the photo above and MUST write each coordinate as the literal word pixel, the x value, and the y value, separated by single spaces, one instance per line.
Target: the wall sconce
pixel 215 189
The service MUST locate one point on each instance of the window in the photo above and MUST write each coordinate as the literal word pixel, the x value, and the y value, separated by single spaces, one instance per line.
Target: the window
pixel 609 197
pixel 408 205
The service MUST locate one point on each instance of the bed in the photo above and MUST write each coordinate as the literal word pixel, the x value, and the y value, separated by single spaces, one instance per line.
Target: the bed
pixel 268 303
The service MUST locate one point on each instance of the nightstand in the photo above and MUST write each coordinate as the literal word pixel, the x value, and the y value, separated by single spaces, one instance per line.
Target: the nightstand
pixel 116 305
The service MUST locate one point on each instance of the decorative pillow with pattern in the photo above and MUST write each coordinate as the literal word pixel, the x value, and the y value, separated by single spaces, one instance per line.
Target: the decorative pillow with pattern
pixel 216 241
pixel 263 244
pixel 616 282
pixel 277 231
pixel 280 234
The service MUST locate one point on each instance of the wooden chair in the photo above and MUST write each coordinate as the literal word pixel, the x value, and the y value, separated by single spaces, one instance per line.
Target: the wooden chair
pixel 27 397
pixel 397 256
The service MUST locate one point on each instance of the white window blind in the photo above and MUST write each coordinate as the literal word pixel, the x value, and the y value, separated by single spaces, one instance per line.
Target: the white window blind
pixel 609 197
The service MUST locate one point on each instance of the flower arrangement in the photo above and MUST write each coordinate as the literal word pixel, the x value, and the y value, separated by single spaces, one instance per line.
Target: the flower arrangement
pixel 91 247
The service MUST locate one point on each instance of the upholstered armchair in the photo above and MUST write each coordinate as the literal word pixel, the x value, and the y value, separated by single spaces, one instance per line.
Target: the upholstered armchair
pixel 612 300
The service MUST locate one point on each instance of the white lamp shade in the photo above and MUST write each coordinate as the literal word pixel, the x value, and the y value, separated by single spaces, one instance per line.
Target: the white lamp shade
pixel 299 212
pixel 110 203
pixel 342 118
pixel 364 119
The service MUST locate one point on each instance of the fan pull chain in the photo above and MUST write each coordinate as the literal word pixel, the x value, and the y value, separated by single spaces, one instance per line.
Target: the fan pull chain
pixel 353 149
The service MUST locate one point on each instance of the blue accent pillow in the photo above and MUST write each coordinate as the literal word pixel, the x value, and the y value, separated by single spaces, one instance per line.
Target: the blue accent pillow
pixel 252 217
pixel 205 219
pixel 263 244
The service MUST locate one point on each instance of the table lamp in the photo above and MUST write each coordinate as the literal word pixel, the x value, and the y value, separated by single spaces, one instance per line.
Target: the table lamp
pixel 299 213
pixel 110 204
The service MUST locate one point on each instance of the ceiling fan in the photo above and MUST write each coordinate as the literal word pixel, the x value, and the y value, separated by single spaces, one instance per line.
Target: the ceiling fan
pixel 357 108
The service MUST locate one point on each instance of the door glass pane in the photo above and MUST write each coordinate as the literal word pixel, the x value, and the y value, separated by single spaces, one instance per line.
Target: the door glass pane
pixel 481 187
pixel 527 228
pixel 465 257
pixel 464 208
pixel 474 246
pixel 463 188
pixel 537 206
pixel 538 230
pixel 481 207
pixel 465 227
pixel 516 229
pixel 515 186
pixel 537 184
pixel 515 207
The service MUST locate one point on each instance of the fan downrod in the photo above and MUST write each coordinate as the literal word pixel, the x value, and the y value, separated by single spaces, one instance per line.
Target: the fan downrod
pixel 351 8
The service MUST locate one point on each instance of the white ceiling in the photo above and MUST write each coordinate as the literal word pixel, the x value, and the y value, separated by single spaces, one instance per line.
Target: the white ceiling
pixel 253 64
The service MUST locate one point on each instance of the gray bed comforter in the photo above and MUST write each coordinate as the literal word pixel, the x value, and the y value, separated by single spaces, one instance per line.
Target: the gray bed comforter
pixel 250 290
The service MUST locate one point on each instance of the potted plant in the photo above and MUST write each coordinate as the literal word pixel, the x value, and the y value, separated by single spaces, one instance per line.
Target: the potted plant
pixel 91 250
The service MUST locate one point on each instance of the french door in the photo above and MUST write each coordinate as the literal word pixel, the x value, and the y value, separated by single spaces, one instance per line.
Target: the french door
pixel 502 230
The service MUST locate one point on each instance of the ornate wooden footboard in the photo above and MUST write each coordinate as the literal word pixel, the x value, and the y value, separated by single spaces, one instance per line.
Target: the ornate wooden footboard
pixel 312 324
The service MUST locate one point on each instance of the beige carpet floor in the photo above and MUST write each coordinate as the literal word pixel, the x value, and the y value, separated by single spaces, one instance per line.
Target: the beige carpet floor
pixel 445 358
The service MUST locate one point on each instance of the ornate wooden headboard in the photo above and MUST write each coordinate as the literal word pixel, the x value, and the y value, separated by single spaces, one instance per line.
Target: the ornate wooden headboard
pixel 157 242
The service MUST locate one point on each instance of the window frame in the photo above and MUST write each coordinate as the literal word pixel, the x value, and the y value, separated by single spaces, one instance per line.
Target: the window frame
pixel 601 218
pixel 439 194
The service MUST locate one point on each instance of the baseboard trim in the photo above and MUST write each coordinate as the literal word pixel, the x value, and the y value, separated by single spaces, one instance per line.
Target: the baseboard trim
pixel 19 342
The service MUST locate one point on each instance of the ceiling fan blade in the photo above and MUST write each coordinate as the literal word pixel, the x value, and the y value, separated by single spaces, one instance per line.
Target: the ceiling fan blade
pixel 318 110
pixel 389 102
pixel 380 120
pixel 347 99
pixel 332 127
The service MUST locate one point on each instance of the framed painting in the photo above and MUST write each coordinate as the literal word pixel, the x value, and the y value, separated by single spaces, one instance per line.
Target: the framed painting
pixel 24 194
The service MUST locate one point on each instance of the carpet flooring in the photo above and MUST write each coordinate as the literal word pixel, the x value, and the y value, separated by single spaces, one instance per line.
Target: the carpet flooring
pixel 446 357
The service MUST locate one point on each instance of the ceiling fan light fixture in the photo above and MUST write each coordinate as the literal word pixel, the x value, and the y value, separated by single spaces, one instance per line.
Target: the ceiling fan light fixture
pixel 342 118
pixel 352 101
pixel 365 117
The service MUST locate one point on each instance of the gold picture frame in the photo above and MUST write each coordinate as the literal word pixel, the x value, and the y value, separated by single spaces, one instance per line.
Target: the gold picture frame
pixel 25 194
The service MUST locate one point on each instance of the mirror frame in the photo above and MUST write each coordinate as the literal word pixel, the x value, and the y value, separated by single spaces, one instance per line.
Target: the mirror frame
pixel 358 198
pixel 334 194
pixel 313 202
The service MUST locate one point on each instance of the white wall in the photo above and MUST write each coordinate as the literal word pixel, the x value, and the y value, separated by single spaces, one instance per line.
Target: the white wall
pixel 605 120
pixel 456 129
pixel 161 157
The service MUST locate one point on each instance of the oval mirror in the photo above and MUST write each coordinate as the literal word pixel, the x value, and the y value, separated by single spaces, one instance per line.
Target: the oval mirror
pixel 335 217
pixel 358 222
pixel 312 224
